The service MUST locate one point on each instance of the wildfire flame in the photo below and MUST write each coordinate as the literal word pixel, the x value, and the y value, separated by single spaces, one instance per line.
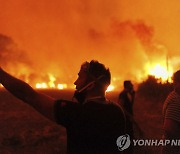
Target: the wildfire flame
pixel 161 72
pixel 61 86
pixel 51 84
pixel 41 85
pixel 52 80
pixel 110 88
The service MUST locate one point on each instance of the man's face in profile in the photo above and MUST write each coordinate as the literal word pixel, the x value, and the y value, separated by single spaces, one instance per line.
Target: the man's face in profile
pixel 81 80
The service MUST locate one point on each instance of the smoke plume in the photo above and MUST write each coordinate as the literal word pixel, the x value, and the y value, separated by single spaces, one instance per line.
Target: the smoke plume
pixel 56 37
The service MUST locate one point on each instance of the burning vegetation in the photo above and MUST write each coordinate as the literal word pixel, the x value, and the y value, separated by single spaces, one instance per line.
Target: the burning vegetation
pixel 18 63
pixel 58 37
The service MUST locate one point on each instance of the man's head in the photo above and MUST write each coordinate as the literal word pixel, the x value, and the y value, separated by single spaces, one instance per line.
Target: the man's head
pixel 95 73
pixel 176 81
pixel 128 86
pixel 93 76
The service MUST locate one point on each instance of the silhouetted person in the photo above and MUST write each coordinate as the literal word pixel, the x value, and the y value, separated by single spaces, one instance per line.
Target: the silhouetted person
pixel 126 97
pixel 126 101
pixel 171 115
pixel 93 123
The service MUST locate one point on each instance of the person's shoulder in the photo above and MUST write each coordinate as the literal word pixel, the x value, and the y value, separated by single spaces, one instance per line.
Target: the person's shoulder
pixel 65 103
pixel 173 95
pixel 111 103
pixel 114 106
pixel 116 110
pixel 64 100
pixel 66 111
pixel 122 93
pixel 101 104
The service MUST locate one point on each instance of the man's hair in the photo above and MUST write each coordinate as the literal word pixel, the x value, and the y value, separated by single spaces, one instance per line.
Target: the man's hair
pixel 98 72
pixel 176 76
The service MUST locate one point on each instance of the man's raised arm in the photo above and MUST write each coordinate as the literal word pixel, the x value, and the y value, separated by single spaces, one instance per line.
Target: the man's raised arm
pixel 41 102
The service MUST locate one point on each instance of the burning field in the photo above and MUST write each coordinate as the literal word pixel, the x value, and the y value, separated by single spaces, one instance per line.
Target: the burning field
pixel 44 43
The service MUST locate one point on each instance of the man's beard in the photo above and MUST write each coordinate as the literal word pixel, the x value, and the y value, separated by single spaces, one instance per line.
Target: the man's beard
pixel 80 96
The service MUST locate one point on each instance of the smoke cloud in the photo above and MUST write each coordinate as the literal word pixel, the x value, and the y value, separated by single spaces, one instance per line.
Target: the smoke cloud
pixel 56 37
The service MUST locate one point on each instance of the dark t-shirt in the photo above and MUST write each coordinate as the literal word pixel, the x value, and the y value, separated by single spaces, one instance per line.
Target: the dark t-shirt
pixel 92 128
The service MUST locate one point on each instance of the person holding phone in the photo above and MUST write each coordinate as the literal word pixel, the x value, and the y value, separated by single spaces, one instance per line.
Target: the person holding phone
pixel 126 97
pixel 126 101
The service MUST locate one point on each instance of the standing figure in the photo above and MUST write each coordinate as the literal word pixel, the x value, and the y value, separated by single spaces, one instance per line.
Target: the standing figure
pixel 93 123
pixel 126 101
pixel 126 97
pixel 171 117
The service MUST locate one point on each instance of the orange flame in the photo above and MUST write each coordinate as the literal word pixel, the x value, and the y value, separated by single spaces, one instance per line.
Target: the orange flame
pixel 41 85
pixel 51 84
pixel 160 71
pixel 110 88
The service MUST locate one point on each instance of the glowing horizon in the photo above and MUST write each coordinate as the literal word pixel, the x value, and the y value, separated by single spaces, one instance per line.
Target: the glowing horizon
pixel 52 39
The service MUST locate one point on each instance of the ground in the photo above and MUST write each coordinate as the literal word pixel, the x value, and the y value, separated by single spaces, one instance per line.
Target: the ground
pixel 23 130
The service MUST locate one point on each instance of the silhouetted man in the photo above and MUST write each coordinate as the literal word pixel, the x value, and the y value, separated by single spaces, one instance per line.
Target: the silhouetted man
pixel 126 97
pixel 93 123
pixel 126 101
pixel 171 115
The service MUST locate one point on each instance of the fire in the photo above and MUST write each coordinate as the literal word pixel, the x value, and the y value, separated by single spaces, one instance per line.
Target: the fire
pixel 51 82
pixel 41 85
pixel 61 86
pixel 161 72
pixel 110 88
